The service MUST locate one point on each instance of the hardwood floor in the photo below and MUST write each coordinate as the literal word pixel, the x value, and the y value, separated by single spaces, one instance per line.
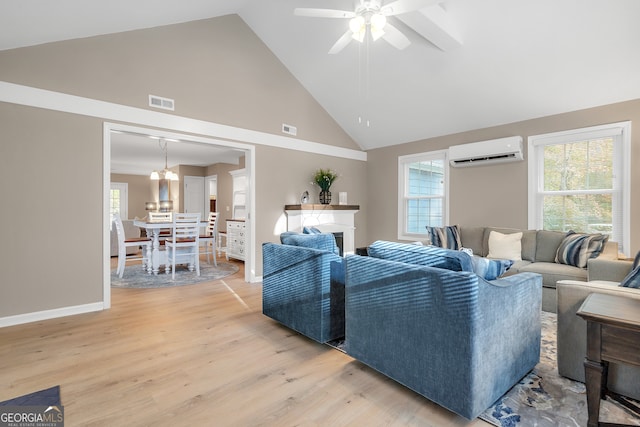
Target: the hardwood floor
pixel 201 355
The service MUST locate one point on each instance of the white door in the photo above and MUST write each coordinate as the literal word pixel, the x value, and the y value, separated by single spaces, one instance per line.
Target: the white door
pixel 193 195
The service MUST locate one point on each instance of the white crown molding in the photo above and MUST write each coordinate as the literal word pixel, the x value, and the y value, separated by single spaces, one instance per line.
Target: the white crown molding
pixel 50 100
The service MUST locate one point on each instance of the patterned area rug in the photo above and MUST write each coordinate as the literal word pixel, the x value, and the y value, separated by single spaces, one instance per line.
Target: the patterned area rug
pixel 48 397
pixel 544 398
pixel 135 277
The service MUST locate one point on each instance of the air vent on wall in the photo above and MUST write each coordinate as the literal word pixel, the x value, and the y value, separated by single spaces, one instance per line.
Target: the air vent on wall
pixel 160 102
pixel 291 130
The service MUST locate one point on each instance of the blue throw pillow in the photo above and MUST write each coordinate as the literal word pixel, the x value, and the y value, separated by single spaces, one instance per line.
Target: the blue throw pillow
pixel 633 278
pixel 490 269
pixel 445 237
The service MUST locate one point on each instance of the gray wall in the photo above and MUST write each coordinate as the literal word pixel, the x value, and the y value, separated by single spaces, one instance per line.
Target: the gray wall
pixel 492 195
pixel 217 70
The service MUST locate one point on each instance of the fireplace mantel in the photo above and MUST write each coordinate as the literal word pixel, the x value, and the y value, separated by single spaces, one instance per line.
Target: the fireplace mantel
pixel 326 218
pixel 316 207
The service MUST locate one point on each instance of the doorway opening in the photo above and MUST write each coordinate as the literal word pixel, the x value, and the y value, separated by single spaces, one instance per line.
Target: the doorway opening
pixel 131 150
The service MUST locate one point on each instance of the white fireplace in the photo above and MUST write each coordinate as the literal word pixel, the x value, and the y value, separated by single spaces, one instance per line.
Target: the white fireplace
pixel 326 218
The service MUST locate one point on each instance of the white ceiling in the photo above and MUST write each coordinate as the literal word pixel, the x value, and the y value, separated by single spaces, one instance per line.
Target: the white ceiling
pixel 519 59
pixel 139 154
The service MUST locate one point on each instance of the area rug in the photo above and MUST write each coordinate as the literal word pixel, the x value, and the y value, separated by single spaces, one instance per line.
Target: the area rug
pixel 543 398
pixel 135 277
pixel 47 397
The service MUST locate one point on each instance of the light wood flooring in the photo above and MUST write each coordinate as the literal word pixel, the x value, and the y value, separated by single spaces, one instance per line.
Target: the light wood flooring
pixel 201 355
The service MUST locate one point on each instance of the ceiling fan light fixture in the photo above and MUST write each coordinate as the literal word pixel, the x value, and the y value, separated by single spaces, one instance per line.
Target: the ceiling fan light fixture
pixel 376 33
pixel 378 21
pixel 358 27
pixel 357 24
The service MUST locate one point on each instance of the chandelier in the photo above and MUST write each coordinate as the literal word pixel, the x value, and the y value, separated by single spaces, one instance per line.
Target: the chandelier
pixel 165 173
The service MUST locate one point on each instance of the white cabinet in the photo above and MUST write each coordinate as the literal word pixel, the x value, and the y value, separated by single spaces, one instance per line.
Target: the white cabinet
pixel 235 239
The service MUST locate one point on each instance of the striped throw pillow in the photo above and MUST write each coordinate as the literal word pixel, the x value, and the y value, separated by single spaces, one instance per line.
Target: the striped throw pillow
pixel 633 278
pixel 445 237
pixel 576 248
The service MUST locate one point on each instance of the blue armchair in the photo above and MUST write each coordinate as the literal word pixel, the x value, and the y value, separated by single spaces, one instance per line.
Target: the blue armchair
pixel 303 285
pixel 449 335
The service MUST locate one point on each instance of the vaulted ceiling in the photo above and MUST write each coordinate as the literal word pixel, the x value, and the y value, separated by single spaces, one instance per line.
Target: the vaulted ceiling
pixel 493 61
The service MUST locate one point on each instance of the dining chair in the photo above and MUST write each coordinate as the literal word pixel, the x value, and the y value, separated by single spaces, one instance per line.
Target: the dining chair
pixel 160 216
pixel 208 239
pixel 183 247
pixel 167 217
pixel 125 242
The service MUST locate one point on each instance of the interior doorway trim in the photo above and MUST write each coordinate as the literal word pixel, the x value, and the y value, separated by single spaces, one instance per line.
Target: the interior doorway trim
pixel 249 149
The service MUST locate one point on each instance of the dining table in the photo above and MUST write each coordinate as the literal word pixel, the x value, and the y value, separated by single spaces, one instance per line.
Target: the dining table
pixel 153 230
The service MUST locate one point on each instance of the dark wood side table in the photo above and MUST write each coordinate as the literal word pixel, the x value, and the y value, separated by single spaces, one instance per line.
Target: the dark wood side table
pixel 613 335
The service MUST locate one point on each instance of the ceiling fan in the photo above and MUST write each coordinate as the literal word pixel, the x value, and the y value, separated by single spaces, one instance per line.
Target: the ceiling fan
pixel 369 17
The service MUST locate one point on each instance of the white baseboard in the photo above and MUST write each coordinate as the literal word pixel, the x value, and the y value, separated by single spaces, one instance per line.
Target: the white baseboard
pixel 37 316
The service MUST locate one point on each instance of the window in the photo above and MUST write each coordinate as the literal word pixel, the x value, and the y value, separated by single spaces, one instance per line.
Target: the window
pixel 579 180
pixel 118 199
pixel 422 193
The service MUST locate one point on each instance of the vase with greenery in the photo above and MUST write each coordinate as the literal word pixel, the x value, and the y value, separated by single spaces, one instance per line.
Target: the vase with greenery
pixel 324 178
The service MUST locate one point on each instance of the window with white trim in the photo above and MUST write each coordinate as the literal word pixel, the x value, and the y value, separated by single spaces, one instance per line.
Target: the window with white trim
pixel 579 180
pixel 422 193
pixel 118 199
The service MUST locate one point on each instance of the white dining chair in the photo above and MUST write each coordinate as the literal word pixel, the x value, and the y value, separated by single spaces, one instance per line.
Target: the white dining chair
pixel 208 239
pixel 125 242
pixel 160 216
pixel 183 247
pixel 167 217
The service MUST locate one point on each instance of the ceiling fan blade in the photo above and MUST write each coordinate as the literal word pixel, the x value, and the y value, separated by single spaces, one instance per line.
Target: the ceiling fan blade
pixel 395 38
pixel 341 43
pixel 323 13
pixel 399 7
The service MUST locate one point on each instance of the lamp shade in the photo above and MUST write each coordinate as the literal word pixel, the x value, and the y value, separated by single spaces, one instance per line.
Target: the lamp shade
pixel 155 175
pixel 166 205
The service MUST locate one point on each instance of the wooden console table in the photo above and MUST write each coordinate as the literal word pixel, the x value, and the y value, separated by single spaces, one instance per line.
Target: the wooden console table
pixel 613 335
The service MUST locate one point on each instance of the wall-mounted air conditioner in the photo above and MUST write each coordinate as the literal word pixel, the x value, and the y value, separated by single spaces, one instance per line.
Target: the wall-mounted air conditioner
pixel 486 152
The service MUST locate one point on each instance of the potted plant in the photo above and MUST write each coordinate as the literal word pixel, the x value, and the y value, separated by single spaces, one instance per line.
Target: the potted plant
pixel 324 178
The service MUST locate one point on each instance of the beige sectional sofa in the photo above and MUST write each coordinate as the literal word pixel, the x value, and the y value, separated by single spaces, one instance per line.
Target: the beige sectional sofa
pixel 572 330
pixel 539 249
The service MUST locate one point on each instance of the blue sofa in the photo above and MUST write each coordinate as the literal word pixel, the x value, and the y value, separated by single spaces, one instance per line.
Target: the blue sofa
pixel 443 331
pixel 303 284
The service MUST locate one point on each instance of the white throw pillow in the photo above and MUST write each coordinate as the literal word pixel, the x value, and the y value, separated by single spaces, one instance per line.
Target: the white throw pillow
pixel 505 246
